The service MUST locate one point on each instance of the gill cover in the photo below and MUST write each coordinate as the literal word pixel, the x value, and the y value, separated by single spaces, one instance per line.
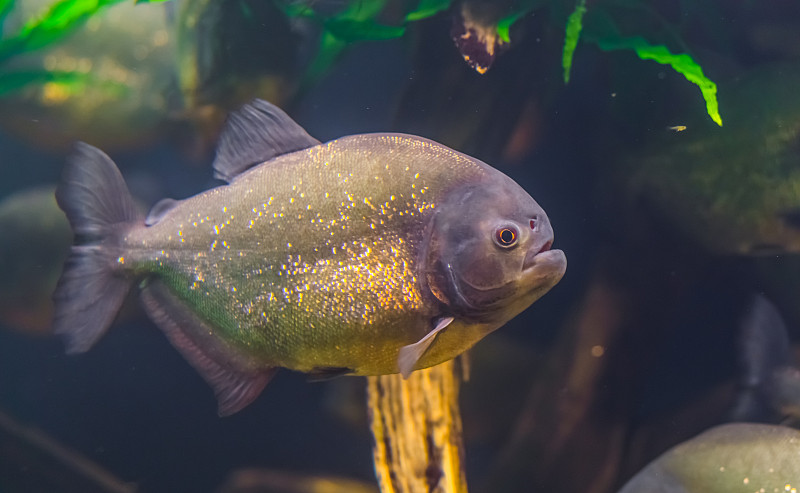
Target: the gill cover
pixel 479 240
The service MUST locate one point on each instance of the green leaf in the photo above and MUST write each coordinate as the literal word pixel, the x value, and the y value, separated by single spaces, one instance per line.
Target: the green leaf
pixel 350 30
pixel 330 49
pixel 573 33
pixel 58 21
pixel 295 9
pixel 356 22
pixel 69 81
pixel 10 82
pixel 362 10
pixel 521 8
pixel 427 8
pixel 5 8
pixel 681 63
pixel 137 2
pixel 504 25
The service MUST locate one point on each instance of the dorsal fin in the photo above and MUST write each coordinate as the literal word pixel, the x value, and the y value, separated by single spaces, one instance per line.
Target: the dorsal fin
pixel 258 132
pixel 160 210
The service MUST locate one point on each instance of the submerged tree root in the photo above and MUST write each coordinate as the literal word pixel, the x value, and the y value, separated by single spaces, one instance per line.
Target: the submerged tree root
pixel 416 426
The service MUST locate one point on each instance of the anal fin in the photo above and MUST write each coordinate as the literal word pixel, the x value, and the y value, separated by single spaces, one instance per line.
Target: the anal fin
pixel 236 383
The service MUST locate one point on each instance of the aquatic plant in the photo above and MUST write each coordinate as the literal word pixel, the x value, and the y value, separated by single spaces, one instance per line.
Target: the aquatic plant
pixel 358 22
pixel 611 40
pixel 681 63
pixel 58 21
pixel 355 23
pixel 5 8
pixel 52 25
pixel 572 34
pixel 427 8
pixel 361 21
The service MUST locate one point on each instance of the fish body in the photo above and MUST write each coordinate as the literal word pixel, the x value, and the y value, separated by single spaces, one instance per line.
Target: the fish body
pixel 739 457
pixel 322 243
pixel 370 254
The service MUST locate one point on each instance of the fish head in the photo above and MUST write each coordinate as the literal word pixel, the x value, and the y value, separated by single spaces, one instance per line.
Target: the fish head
pixel 489 254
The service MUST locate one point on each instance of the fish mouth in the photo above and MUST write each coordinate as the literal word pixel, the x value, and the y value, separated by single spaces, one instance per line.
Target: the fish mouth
pixel 545 262
pixel 535 251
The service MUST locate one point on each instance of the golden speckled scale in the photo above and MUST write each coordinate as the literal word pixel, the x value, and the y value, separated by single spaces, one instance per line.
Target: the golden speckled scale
pixel 313 253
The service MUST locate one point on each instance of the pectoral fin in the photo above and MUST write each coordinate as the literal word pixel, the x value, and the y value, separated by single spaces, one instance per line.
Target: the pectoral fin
pixel 236 382
pixel 409 355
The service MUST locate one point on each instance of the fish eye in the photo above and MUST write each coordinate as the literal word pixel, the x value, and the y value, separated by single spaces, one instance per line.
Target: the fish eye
pixel 506 236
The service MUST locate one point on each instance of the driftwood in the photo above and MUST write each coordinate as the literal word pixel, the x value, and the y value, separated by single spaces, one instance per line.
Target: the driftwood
pixel 416 426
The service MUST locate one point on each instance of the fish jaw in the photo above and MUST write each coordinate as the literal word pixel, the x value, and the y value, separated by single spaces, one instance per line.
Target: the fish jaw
pixel 543 268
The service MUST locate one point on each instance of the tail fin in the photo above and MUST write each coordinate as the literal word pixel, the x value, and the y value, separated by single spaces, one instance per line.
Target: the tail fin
pixel 98 205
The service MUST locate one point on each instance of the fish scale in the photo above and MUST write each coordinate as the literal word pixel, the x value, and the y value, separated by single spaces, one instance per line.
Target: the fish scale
pixel 319 272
